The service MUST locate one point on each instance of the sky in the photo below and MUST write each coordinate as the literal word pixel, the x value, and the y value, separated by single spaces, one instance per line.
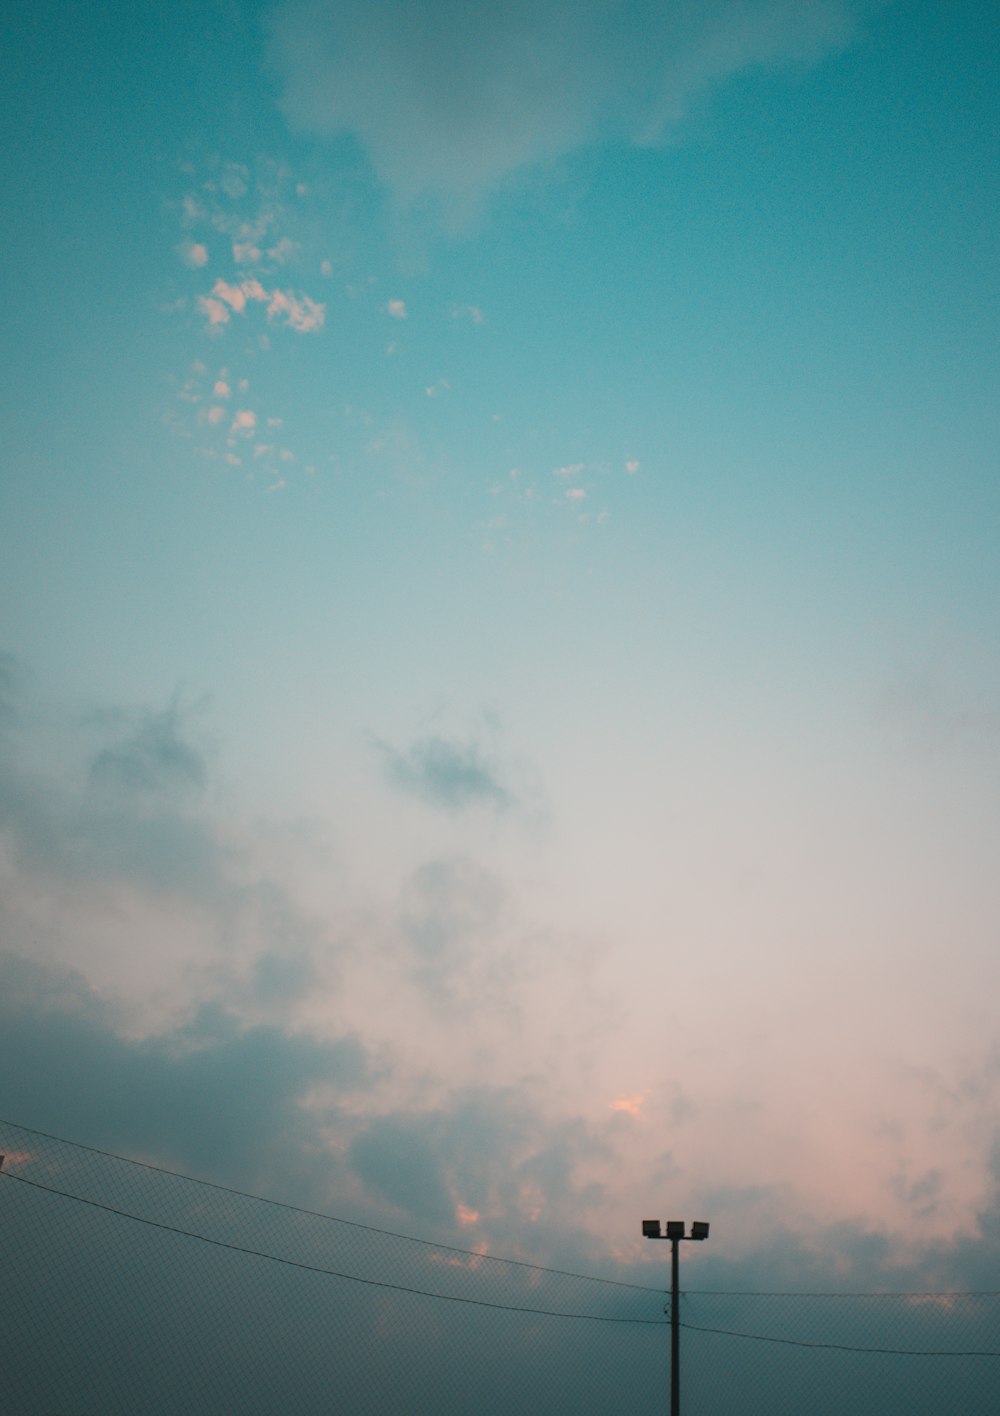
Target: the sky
pixel 500 603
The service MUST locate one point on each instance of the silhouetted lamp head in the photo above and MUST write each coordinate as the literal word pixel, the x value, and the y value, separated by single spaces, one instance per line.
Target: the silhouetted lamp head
pixel 699 1229
pixel 675 1229
pixel 651 1229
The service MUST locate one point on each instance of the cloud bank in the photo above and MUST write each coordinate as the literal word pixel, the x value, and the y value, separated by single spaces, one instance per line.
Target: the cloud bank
pixel 449 99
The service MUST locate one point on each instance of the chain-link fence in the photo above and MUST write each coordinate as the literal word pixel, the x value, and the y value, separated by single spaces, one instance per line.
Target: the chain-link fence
pixel 128 1290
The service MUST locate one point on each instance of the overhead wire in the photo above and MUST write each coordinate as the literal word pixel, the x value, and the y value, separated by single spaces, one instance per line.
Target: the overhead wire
pixel 332 1273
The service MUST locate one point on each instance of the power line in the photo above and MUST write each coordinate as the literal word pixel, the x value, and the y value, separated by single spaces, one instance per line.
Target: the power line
pixel 317 1214
pixel 885 1293
pixel 335 1273
pixel 837 1346
pixel 452 1248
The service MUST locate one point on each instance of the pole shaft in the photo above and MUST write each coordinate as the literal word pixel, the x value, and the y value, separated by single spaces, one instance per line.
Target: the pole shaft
pixel 675 1330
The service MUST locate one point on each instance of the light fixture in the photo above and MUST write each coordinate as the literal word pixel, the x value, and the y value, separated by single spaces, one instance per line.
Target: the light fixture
pixel 651 1229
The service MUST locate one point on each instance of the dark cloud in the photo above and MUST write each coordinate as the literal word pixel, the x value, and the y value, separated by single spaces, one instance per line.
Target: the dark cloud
pixel 398 1159
pixel 449 98
pixel 153 757
pixel 103 846
pixel 136 816
pixel 448 775
pixel 212 1096
pixel 491 1152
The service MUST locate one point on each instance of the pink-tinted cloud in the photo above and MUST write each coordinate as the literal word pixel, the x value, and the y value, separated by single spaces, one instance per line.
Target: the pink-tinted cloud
pixel 575 494
pixel 237 296
pixel 632 465
pixel 193 253
pixel 298 313
pixel 468 312
pixel 215 310
pixel 631 1105
pixel 246 253
pixel 397 309
pixel 571 470
pixel 244 422
pixel 232 294
pixel 253 290
pixel 215 414
pixel 222 389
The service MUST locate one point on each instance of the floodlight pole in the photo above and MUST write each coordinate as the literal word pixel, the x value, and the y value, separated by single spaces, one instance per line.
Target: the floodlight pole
pixel 675 1233
pixel 675 1328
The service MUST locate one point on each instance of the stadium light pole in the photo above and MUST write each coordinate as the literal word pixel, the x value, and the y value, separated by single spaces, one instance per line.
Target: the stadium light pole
pixel 675 1233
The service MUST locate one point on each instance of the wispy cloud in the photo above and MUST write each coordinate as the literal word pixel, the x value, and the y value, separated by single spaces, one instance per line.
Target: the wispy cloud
pixel 452 101
pixel 472 313
pixel 450 775
pixel 153 756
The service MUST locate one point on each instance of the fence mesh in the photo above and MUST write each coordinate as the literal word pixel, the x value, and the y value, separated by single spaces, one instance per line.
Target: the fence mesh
pixel 127 1290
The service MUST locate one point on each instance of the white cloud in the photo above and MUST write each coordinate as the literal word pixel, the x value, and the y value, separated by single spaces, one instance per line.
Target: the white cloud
pixel 572 469
pixel 632 465
pixel 575 494
pixel 450 100
pixel 397 309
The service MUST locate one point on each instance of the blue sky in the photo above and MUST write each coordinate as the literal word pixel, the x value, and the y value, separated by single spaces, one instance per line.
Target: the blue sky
pixel 500 583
